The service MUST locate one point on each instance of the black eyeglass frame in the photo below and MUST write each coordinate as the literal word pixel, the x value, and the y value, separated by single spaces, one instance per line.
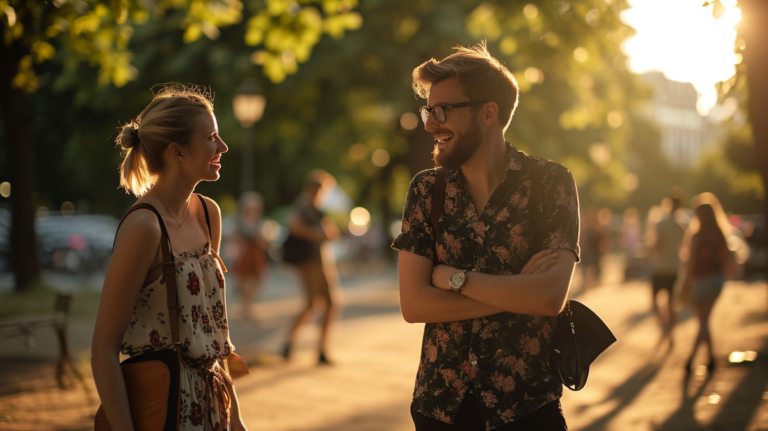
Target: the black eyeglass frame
pixel 426 110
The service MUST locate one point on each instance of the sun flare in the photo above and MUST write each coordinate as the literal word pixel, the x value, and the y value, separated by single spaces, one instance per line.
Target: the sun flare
pixel 682 39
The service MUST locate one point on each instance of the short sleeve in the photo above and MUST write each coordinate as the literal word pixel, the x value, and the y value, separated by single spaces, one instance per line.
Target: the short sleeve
pixel 416 232
pixel 561 209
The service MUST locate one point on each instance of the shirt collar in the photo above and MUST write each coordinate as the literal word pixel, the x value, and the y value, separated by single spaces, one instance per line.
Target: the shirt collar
pixel 514 163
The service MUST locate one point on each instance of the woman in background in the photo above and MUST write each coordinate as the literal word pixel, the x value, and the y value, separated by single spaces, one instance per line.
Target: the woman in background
pixel 308 247
pixel 251 264
pixel 709 263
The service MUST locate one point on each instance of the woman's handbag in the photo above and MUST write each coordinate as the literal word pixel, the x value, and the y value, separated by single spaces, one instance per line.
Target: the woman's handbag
pixel 579 336
pixel 152 379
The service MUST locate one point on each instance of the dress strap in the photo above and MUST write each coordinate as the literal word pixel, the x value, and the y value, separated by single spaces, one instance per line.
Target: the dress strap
pixel 207 217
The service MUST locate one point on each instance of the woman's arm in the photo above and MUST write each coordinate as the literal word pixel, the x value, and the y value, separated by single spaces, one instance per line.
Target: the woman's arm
pixel 236 421
pixel 214 212
pixel 135 250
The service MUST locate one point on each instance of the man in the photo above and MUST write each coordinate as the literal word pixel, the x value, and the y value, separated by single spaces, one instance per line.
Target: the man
pixel 487 334
pixel 665 264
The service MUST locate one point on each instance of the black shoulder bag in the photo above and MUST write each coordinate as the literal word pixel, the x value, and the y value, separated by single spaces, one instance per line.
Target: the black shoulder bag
pixel 579 336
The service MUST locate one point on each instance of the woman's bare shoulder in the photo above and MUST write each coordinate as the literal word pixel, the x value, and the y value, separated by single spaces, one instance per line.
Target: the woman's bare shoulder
pixel 142 225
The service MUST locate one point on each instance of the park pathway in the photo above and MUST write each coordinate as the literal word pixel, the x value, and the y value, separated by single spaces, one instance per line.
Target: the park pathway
pixel 638 384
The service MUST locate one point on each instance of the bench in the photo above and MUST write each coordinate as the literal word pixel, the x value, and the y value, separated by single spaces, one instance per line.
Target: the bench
pixel 18 326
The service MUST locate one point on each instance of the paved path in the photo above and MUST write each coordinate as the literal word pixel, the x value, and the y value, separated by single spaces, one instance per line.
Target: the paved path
pixel 637 384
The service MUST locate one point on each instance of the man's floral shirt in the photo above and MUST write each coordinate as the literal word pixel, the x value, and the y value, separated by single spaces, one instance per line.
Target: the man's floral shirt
pixel 503 357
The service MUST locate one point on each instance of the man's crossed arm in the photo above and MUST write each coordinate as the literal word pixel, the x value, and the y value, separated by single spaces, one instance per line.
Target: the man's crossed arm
pixel 540 289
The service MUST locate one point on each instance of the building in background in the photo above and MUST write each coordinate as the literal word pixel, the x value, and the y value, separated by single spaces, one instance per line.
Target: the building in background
pixel 685 134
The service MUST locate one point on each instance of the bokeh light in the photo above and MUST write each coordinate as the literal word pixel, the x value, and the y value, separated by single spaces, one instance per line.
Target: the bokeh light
pixel 270 230
pixel 600 153
pixel 380 157
pixel 530 11
pixel 360 216
pixel 534 75
pixel 409 121
pixel 580 54
pixel 5 189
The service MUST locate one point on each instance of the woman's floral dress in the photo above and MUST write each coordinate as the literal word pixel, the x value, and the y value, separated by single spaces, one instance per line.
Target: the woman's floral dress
pixel 203 332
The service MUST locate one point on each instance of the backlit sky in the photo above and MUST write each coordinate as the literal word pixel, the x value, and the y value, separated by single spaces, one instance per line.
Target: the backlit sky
pixel 683 40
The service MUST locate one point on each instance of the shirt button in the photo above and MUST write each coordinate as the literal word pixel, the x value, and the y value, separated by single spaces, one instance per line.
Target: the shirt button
pixel 474 362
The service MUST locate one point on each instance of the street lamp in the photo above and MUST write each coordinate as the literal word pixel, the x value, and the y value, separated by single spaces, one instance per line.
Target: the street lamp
pixel 249 107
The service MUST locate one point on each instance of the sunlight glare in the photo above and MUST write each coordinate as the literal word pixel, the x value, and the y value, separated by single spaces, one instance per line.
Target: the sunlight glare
pixel 681 39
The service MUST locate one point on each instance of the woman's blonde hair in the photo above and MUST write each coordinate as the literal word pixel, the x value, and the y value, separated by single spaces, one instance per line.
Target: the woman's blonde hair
pixel 170 117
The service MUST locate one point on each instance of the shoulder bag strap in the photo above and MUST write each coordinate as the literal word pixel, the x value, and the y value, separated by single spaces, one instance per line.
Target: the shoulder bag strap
pixel 169 275
pixel 438 199
pixel 169 270
pixel 535 200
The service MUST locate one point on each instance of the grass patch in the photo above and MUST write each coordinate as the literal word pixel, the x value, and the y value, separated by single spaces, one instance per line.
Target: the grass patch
pixel 41 298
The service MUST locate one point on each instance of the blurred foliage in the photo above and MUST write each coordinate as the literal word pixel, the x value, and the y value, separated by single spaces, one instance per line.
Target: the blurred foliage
pixel 100 32
pixel 349 108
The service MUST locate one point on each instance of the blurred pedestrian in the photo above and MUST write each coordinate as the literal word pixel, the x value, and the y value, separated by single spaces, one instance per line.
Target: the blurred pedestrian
pixel 308 247
pixel 591 240
pixel 631 244
pixel 251 264
pixel 173 145
pixel 709 263
pixel 664 244
pixel 488 304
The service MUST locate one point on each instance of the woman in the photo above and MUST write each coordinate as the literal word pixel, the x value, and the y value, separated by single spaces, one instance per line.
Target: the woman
pixel 709 263
pixel 169 148
pixel 308 247
pixel 251 263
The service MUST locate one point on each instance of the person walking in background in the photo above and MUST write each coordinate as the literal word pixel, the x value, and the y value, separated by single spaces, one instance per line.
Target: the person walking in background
pixel 488 304
pixel 251 264
pixel 709 263
pixel 308 247
pixel 664 245
pixel 173 145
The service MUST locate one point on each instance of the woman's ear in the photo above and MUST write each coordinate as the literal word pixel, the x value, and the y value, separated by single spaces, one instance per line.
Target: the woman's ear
pixel 175 152
pixel 490 112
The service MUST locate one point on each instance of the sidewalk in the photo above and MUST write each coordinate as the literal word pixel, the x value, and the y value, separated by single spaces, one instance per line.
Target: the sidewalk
pixel 635 385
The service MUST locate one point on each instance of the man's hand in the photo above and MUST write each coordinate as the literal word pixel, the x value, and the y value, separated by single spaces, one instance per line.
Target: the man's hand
pixel 540 262
pixel 441 275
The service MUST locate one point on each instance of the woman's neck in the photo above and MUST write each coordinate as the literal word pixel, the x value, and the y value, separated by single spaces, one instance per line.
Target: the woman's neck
pixel 174 194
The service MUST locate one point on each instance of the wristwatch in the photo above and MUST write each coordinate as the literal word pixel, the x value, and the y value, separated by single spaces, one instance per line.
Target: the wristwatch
pixel 457 280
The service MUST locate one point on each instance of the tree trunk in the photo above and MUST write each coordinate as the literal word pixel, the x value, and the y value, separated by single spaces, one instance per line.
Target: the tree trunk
pixel 19 140
pixel 753 30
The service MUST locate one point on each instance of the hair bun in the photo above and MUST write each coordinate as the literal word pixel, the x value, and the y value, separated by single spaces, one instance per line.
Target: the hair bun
pixel 129 137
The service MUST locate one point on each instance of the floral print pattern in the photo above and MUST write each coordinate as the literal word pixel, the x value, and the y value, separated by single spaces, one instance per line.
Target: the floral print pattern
pixel 204 329
pixel 504 357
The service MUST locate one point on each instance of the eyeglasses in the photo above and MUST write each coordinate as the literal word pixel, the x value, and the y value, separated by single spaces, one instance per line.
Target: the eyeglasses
pixel 438 111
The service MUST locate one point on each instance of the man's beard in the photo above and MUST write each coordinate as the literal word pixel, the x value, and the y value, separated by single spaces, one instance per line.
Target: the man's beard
pixel 464 147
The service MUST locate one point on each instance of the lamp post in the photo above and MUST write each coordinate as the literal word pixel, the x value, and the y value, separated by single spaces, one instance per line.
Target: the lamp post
pixel 249 107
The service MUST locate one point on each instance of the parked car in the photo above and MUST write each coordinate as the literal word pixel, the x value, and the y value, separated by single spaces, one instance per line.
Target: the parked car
pixel 76 244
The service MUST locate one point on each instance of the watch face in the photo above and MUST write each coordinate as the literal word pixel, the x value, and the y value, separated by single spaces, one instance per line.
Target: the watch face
pixel 457 279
